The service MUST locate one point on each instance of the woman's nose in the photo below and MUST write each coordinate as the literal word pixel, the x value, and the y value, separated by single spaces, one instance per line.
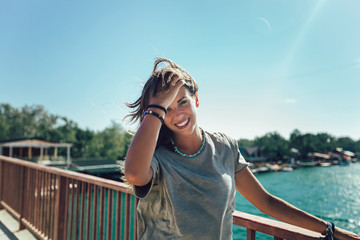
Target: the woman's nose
pixel 177 113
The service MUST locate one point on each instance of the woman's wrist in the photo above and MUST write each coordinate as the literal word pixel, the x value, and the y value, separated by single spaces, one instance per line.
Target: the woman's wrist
pixel 158 107
pixel 158 111
pixel 329 231
pixel 154 114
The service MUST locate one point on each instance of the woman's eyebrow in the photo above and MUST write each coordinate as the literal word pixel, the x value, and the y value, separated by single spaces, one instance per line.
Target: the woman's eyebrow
pixel 181 99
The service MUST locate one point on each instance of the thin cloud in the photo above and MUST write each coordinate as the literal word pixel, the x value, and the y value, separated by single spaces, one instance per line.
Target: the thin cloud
pixel 266 22
pixel 155 51
pixel 290 100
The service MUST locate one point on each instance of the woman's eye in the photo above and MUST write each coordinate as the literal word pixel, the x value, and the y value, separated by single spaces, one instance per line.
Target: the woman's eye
pixel 183 102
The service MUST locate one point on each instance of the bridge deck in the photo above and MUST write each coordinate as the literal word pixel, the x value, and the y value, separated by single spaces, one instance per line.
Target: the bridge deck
pixel 9 228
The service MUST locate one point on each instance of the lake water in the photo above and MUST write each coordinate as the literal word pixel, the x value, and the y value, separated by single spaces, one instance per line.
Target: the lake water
pixel 330 193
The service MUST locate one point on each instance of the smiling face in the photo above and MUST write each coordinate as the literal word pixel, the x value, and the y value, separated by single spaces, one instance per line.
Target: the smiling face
pixel 181 116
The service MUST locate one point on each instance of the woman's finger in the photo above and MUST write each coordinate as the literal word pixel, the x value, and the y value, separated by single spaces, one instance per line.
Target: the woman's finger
pixel 168 79
pixel 175 79
pixel 179 83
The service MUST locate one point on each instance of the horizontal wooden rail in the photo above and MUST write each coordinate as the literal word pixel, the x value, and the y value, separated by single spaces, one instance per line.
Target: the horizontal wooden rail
pixel 70 174
pixel 59 204
pixel 279 230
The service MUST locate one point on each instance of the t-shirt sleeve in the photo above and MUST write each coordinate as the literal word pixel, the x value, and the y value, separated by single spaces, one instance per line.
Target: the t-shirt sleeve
pixel 142 191
pixel 240 162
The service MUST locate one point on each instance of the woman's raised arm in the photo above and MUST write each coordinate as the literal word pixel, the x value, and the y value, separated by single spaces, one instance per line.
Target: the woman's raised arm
pixel 142 147
pixel 141 151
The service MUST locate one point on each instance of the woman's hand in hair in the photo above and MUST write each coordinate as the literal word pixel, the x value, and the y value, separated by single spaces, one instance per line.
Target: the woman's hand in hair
pixel 166 96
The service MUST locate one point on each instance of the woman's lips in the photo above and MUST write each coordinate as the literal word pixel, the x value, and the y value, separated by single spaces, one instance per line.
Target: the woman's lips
pixel 183 124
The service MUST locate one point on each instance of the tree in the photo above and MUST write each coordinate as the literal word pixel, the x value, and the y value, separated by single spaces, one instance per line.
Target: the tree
pixel 347 143
pixel 273 146
pixel 81 146
pixel 27 122
pixel 306 143
pixel 111 143
pixel 245 143
pixel 35 122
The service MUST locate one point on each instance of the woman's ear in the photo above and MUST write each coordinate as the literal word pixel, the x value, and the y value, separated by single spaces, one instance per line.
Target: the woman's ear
pixel 197 100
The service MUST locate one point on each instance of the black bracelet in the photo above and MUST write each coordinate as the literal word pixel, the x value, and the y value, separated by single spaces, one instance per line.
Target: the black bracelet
pixel 333 227
pixel 329 232
pixel 155 114
pixel 158 107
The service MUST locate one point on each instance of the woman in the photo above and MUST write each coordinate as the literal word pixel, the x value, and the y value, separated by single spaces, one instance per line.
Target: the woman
pixel 186 177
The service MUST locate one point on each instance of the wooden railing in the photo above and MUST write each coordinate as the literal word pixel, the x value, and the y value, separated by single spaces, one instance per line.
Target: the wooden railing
pixel 59 204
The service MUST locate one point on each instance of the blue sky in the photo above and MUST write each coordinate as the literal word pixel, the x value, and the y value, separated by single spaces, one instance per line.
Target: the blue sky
pixel 262 66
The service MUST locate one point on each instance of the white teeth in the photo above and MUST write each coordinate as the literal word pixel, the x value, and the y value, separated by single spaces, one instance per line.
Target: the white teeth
pixel 183 123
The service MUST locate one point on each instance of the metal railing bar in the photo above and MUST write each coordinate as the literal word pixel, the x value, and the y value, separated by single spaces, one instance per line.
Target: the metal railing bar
pixel 48 212
pixel 118 215
pixel 88 209
pixel 135 218
pixel 109 215
pixel 82 218
pixel 95 210
pixel 127 217
pixel 77 193
pixel 66 204
pixel 101 206
pixel 36 199
pixel 71 201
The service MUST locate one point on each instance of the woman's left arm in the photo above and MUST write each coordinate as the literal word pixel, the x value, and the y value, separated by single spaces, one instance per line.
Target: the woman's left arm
pixel 254 192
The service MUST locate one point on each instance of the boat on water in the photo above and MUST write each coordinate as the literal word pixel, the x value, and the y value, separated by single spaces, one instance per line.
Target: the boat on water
pixel 260 170
pixel 307 163
pixel 344 163
pixel 287 169
pixel 325 164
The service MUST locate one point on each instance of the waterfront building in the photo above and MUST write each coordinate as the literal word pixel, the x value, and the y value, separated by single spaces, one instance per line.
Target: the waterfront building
pixel 36 150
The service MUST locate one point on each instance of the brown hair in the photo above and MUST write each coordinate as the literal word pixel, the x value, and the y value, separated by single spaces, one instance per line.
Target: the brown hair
pixel 160 80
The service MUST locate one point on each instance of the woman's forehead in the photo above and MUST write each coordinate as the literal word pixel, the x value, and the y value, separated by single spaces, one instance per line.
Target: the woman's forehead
pixel 182 94
pixel 184 91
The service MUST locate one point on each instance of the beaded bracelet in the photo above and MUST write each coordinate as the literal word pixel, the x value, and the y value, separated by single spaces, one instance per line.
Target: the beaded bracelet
pixel 155 114
pixel 329 232
pixel 158 107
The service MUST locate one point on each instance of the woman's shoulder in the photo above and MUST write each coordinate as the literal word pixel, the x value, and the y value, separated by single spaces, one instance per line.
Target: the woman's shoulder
pixel 220 137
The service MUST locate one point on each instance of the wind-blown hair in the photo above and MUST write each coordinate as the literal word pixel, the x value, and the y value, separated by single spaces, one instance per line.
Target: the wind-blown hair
pixel 160 80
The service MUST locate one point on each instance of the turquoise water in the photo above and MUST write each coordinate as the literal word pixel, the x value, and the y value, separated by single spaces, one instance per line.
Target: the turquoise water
pixel 331 193
pixel 74 234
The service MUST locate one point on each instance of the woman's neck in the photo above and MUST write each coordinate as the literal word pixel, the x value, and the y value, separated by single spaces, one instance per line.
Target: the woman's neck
pixel 189 144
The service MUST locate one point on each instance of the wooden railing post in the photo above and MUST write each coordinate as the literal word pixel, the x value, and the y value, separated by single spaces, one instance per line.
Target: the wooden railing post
pixel 22 196
pixel 1 180
pixel 250 234
pixel 60 209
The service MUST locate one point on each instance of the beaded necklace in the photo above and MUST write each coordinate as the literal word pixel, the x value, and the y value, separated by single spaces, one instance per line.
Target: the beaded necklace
pixel 191 155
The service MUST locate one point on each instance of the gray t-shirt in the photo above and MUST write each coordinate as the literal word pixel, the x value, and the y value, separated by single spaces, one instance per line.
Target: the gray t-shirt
pixel 191 198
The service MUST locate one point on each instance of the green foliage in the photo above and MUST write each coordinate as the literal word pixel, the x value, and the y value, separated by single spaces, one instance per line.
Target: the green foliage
pixel 27 122
pixel 110 143
pixel 274 147
pixel 113 141
pixel 35 122
pixel 245 142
